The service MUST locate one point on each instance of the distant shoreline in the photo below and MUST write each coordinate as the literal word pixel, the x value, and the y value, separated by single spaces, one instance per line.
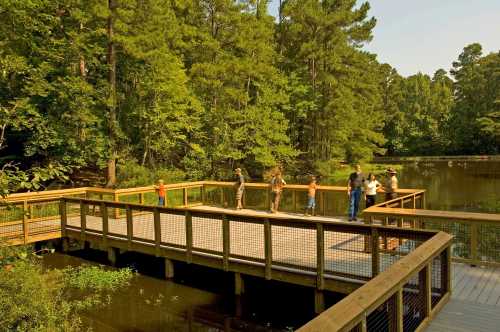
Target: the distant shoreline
pixel 436 158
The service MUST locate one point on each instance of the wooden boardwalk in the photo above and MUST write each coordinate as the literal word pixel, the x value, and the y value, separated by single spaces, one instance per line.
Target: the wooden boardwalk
pixel 475 301
pixel 344 252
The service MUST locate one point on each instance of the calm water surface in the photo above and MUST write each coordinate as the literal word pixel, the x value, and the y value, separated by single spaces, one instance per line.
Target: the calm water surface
pixel 191 303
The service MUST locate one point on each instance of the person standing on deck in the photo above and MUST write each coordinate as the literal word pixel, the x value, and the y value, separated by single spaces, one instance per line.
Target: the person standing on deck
pixel 240 188
pixel 371 186
pixel 354 189
pixel 311 196
pixel 391 185
pixel 160 190
pixel 277 184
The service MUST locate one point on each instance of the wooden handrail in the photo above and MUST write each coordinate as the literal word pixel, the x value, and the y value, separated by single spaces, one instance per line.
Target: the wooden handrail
pixel 434 214
pixel 352 310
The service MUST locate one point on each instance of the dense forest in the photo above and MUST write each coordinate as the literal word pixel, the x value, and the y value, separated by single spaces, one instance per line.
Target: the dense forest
pixel 197 87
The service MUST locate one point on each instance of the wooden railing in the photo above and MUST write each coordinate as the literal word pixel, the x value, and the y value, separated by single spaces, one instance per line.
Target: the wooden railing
pixel 403 298
pixel 16 210
pixel 476 235
pixel 266 246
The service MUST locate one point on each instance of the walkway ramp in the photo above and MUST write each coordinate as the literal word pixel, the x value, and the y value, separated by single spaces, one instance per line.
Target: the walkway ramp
pixel 474 304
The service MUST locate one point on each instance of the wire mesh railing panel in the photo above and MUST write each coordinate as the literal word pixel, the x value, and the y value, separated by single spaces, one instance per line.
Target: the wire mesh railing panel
pixel 129 198
pixel 11 218
pixel 207 232
pixel 461 232
pixel 413 304
pixel 393 247
pixel 213 196
pixel 150 198
pixel 100 196
pixel 346 254
pixel 229 197
pixel 256 198
pixel 194 195
pixel 335 203
pixel 436 281
pixel 173 228
pixel 488 243
pixel 143 226
pixel 93 217
pixel 73 214
pixel 246 239
pixel 382 318
pixel 294 246
pixel 44 217
pixel 117 221
pixel 175 197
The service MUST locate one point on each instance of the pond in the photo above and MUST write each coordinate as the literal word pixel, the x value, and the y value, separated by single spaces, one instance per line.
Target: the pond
pixel 191 303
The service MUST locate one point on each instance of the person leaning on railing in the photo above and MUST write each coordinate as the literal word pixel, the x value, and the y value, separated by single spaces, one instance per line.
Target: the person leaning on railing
pixel 391 185
pixel 160 190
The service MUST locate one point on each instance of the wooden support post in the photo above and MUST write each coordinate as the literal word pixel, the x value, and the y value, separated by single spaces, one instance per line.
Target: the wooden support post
pixel 203 195
pixel 141 198
pixel 156 217
pixel 65 245
pixel 239 284
pixel 169 268
pixel 423 201
pixel 446 271
pixel 83 221
pixel 112 255
pixel 362 326
pixel 425 284
pixel 25 222
pixel 474 243
pixel 268 199
pixel 116 198
pixel 184 197
pixel 375 249
pixel 225 243
pixel 268 249
pixel 189 237
pixel 385 222
pixel 105 224
pixel 320 256
pixel 319 301
pixel 64 216
pixel 130 226
pixel 294 200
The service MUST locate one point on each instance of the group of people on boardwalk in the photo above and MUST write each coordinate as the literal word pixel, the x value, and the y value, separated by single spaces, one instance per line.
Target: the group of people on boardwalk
pixel 358 186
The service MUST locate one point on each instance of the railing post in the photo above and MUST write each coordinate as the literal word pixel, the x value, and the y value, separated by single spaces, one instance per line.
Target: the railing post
pixel 185 196
pixel 375 252
pixel 156 216
pixel 320 256
pixel 116 198
pixel 130 225
pixel 105 224
pixel 25 222
pixel 424 285
pixel 141 198
pixel 64 216
pixel 189 237
pixel 446 271
pixel 473 243
pixel 83 222
pixel 225 243
pixel 322 207
pixel 268 249
pixel 397 311
pixel 203 195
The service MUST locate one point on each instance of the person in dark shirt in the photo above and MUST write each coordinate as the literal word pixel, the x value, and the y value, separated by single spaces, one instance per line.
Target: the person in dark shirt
pixel 240 188
pixel 354 189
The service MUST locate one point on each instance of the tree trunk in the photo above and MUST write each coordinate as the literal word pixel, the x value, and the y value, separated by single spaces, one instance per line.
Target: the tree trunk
pixel 111 59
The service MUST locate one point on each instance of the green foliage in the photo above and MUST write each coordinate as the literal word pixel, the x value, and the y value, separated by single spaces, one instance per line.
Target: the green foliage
pixel 132 175
pixel 32 299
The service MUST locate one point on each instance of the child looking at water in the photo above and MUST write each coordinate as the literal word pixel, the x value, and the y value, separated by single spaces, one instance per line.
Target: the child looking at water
pixel 311 196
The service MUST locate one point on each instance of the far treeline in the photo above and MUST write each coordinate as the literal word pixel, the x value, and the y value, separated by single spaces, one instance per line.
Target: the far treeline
pixel 200 87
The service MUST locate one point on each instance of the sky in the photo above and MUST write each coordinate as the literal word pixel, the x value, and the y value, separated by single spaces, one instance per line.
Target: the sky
pixel 426 35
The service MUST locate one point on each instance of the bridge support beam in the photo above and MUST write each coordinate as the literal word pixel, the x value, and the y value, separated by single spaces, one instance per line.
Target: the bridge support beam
pixel 112 255
pixel 239 284
pixel 169 268
pixel 319 301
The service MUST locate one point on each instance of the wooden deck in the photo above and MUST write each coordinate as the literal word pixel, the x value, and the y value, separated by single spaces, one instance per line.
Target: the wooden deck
pixel 475 301
pixel 344 252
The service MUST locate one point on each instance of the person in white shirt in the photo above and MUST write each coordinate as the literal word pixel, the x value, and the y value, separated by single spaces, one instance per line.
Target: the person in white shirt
pixel 371 187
